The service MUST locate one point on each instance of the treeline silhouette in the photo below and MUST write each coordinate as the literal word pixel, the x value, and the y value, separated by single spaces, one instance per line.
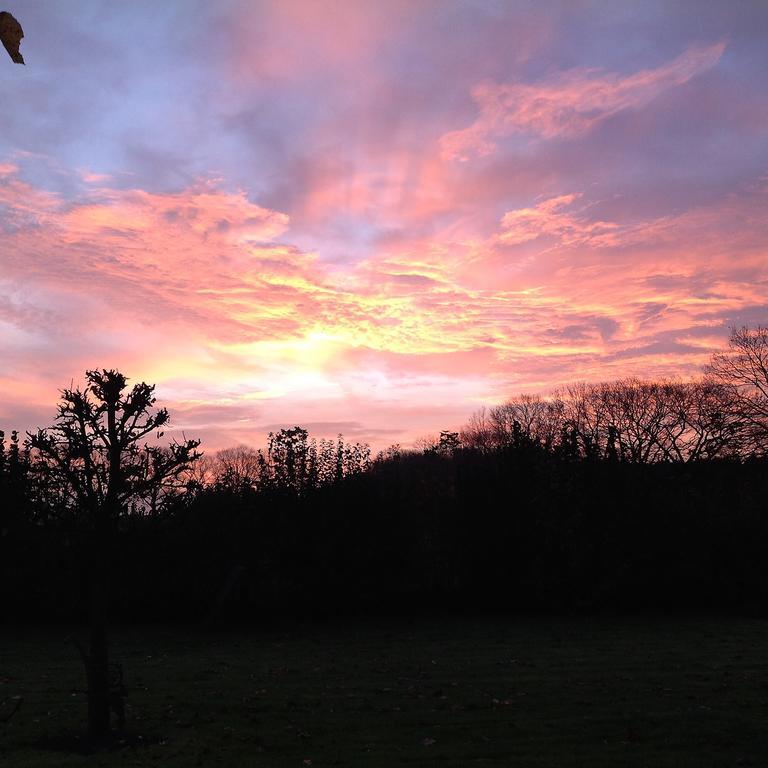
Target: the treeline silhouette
pixel 620 495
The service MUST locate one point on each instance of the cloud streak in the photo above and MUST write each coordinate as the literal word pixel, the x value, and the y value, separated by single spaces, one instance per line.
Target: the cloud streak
pixel 568 104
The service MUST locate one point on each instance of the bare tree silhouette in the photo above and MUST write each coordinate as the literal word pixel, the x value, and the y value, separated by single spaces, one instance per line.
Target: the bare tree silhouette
pixel 744 370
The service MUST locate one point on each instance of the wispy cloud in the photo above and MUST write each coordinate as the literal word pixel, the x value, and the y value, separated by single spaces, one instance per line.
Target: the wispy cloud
pixel 568 103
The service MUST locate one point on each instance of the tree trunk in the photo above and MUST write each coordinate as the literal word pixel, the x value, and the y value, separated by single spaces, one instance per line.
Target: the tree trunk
pixel 98 656
pixel 105 514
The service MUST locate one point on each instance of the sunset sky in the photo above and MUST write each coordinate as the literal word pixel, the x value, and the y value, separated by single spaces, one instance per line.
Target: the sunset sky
pixel 374 217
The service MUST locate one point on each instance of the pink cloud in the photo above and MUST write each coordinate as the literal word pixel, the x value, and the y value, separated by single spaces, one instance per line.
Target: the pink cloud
pixel 202 292
pixel 569 103
pixel 550 218
pixel 95 178
pixel 281 40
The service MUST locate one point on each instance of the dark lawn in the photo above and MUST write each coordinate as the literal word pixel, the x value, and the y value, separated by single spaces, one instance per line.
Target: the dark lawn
pixel 454 692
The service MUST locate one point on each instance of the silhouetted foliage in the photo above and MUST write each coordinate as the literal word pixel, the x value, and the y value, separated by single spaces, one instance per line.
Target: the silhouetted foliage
pixel 95 468
pixel 618 495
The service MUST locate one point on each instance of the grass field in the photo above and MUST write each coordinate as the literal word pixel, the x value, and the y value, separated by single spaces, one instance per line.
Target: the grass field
pixel 531 692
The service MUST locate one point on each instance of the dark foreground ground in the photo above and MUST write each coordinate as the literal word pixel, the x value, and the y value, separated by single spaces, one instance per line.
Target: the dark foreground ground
pixel 537 691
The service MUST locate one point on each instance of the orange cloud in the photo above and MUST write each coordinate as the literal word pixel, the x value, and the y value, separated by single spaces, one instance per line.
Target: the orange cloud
pixel 202 292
